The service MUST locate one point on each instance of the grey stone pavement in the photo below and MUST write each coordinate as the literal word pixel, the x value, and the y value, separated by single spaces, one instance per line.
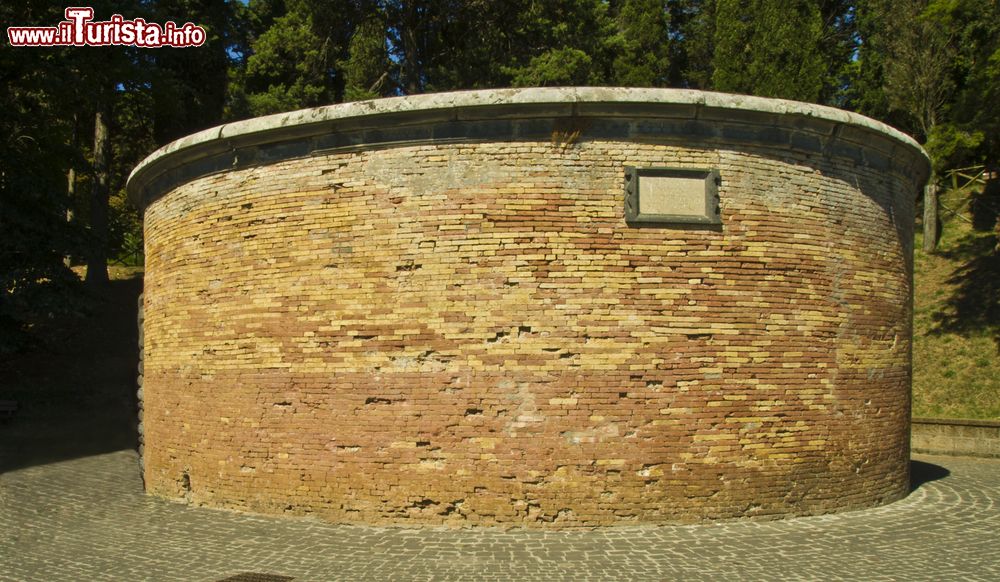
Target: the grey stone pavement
pixel 88 519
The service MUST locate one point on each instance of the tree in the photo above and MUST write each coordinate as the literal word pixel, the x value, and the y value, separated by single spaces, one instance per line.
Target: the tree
pixel 35 156
pixel 97 255
pixel 693 26
pixel 293 62
pixel 918 60
pixel 485 43
pixel 865 75
pixel 189 86
pixel 838 44
pixel 769 48
pixel 473 43
pixel 103 76
pixel 969 130
pixel 918 82
pixel 288 69
pixel 367 70
pixel 564 42
pixel 643 55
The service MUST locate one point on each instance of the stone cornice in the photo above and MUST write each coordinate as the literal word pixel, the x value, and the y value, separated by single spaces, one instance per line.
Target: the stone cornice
pixel 491 114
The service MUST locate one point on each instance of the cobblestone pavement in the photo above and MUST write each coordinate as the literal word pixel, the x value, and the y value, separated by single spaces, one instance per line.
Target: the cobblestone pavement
pixel 88 519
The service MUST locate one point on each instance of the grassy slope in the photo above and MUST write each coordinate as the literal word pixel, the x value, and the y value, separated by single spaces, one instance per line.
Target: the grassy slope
pixel 956 349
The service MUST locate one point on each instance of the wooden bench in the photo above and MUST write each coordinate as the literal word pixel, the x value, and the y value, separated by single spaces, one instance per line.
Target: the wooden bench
pixel 7 409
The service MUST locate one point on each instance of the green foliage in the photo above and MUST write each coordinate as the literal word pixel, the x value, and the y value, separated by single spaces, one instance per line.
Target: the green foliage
pixel 561 42
pixel 189 85
pixel 643 54
pixel 865 76
pixel 950 147
pixel 557 67
pixel 125 244
pixel 838 45
pixel 464 44
pixel 693 22
pixel 367 68
pixel 931 68
pixel 973 29
pixel 34 234
pixel 769 48
pixel 288 68
pixel 733 33
pixel 919 57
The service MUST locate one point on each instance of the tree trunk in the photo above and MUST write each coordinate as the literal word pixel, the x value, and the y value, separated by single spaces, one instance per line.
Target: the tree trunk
pixel 70 196
pixel 97 260
pixel 931 215
pixel 74 144
pixel 412 83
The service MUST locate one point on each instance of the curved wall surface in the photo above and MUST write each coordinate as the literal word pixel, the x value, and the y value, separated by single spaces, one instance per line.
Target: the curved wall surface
pixel 431 310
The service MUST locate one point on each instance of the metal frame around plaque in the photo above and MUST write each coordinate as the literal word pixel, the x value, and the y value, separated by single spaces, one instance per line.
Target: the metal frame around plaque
pixel 633 191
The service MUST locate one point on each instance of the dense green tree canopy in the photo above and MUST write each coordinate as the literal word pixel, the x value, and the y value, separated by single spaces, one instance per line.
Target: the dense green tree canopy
pixel 769 48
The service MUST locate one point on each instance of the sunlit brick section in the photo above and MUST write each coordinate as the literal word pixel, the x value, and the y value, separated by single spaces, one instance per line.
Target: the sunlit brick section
pixel 467 332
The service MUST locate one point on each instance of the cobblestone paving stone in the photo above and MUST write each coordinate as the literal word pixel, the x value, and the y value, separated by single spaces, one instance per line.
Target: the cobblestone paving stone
pixel 88 519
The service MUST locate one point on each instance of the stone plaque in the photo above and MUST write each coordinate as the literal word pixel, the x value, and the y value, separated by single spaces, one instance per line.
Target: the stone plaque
pixel 671 195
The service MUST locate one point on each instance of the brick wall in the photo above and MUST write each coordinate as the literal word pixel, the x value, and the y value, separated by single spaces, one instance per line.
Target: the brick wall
pixel 469 334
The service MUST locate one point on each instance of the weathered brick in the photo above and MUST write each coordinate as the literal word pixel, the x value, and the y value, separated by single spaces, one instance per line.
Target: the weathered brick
pixel 469 333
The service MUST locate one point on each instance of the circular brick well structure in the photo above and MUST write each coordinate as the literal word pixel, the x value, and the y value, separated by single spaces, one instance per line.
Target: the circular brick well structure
pixel 541 307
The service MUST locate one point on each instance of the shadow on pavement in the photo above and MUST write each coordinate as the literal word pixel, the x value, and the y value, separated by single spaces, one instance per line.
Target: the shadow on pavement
pixel 921 472
pixel 76 394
